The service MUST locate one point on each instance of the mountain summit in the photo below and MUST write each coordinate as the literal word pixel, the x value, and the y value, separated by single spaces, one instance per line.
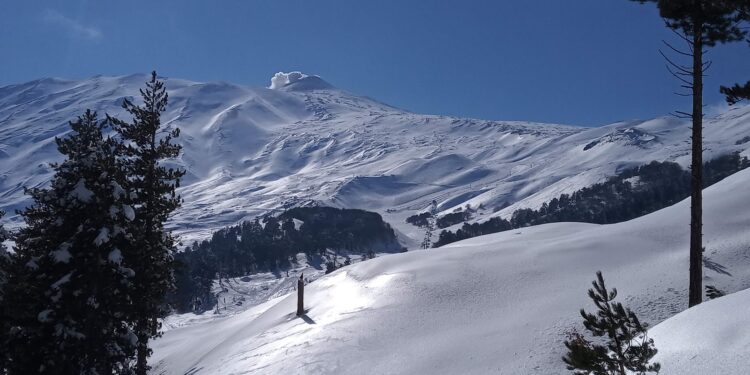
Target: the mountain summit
pixel 298 81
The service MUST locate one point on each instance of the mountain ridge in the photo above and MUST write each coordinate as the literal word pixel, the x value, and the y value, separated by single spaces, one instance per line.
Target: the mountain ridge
pixel 249 151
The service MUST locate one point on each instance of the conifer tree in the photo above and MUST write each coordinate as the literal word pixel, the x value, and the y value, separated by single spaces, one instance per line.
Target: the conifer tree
pixel 738 92
pixel 4 256
pixel 627 348
pixel 5 313
pixel 713 292
pixel 430 226
pixel 146 145
pixel 70 282
pixel 700 24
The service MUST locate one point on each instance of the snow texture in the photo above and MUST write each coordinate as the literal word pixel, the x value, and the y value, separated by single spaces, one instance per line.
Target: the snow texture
pixel 81 192
pixel 44 316
pixel 711 338
pixel 115 256
pixel 63 280
pixel 128 211
pixel 102 237
pixel 62 255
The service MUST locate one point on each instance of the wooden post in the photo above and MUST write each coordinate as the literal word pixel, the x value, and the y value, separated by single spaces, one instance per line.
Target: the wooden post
pixel 300 296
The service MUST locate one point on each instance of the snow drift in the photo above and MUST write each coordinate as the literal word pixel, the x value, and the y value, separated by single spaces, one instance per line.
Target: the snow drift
pixel 711 338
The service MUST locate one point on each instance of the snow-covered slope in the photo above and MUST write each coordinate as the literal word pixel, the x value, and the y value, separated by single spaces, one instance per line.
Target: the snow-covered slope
pixel 712 338
pixel 498 304
pixel 251 150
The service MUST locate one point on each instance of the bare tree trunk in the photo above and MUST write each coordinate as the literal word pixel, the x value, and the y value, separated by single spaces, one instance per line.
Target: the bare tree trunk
pixel 696 183
pixel 300 296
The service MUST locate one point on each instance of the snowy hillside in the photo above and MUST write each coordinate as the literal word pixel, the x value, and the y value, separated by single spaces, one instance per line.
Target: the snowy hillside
pixel 712 338
pixel 497 304
pixel 251 150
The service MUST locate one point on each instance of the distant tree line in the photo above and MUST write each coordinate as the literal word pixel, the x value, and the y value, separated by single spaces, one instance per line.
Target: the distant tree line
pixel 272 243
pixel 418 220
pixel 458 216
pixel 453 218
pixel 634 192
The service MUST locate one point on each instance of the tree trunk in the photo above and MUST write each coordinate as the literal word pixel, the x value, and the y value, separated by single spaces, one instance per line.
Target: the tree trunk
pixel 141 366
pixel 300 296
pixel 696 182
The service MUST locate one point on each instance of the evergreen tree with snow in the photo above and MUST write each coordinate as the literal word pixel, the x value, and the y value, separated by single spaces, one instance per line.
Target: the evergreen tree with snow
pixel 430 226
pixel 4 256
pixel 146 144
pixel 626 348
pixel 69 284
pixel 5 263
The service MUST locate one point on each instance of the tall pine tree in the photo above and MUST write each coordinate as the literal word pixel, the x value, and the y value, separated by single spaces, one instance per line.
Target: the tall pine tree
pixel 146 144
pixel 69 282
pixel 701 24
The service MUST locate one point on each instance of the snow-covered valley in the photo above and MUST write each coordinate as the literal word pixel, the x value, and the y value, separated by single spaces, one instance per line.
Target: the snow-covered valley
pixel 499 303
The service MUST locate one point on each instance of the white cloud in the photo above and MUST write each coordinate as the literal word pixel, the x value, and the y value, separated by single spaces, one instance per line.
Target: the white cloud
pixel 72 26
pixel 282 79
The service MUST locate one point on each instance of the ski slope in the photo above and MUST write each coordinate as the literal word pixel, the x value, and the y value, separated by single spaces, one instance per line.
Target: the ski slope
pixel 249 151
pixel 495 304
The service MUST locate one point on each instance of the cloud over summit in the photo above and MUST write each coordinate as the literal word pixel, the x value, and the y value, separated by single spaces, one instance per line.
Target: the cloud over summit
pixel 282 79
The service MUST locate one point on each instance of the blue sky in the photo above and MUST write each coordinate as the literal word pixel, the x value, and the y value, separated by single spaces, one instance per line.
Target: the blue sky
pixel 584 62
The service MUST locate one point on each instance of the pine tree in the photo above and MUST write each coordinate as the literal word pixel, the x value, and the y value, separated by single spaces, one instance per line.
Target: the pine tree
pixel 713 292
pixel 146 145
pixel 4 256
pixel 70 282
pixel 736 93
pixel 701 24
pixel 5 309
pixel 627 348
pixel 430 226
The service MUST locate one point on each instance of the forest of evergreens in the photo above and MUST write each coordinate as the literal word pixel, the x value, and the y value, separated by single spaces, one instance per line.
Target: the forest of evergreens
pixel 632 193
pixel 272 243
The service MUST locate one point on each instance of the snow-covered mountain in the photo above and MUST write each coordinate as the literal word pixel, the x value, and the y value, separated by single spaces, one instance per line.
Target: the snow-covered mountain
pixel 495 304
pixel 249 151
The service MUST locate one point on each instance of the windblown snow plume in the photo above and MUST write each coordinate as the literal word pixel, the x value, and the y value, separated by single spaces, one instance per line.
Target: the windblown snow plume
pixel 282 79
